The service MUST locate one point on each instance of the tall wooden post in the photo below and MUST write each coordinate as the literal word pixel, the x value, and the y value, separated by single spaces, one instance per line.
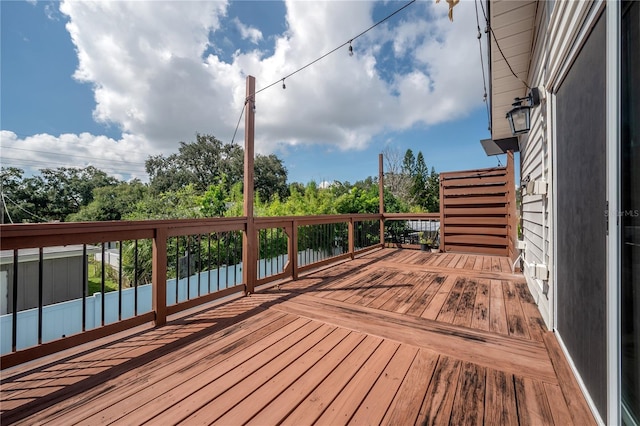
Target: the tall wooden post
pixel 249 244
pixel 381 195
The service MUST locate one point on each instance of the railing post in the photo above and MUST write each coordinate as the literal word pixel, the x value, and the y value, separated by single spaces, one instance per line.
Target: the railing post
pixel 249 237
pixel 293 250
pixel 159 276
pixel 352 242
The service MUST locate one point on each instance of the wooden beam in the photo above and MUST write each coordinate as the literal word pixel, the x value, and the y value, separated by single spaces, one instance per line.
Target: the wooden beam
pixel 249 246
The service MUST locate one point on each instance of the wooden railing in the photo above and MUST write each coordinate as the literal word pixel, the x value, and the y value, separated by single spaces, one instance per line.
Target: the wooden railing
pixel 407 230
pixel 185 261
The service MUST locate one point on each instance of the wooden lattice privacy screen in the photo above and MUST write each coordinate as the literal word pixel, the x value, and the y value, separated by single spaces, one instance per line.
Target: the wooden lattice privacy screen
pixel 478 211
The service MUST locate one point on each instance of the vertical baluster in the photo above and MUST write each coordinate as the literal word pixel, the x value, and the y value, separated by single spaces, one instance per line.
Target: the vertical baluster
pixel 135 278
pixel 102 284
pixel 209 262
pixel 228 248
pixel 188 267
pixel 14 314
pixel 120 282
pixel 40 279
pixel 218 261
pixel 177 265
pixel 85 284
pixel 199 259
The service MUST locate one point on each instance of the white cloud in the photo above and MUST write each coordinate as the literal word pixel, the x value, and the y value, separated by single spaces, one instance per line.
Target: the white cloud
pixel 145 63
pixel 123 158
pixel 246 32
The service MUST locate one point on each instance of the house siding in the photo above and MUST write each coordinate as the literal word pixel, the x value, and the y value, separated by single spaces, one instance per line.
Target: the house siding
pixel 572 300
pixel 534 164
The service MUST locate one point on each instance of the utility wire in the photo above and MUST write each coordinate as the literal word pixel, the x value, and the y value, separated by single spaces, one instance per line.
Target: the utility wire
pixel 25 162
pixel 21 208
pixel 495 39
pixel 4 203
pixel 105 160
pixel 484 79
pixel 239 119
pixel 348 42
pixel 337 48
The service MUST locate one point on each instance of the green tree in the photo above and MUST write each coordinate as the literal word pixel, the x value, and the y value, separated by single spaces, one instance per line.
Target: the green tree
pixel 207 161
pixel 433 192
pixel 111 202
pixel 214 201
pixel 270 177
pixel 420 176
pixel 409 163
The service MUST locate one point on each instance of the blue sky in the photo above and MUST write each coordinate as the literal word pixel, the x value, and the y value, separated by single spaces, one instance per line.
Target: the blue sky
pixel 110 83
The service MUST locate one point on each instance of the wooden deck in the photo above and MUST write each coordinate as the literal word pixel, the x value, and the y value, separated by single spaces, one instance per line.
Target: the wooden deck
pixel 394 337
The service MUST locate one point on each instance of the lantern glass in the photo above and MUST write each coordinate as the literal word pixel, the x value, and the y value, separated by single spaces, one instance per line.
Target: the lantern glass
pixel 519 119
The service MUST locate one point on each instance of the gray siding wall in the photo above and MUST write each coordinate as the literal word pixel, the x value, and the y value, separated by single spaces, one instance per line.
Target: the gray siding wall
pixel 535 165
pixel 62 280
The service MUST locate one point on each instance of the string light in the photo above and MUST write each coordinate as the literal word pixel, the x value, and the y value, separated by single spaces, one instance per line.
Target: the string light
pixel 318 59
pixel 339 47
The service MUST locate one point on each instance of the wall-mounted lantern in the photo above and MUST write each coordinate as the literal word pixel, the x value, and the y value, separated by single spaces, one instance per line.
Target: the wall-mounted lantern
pixel 520 116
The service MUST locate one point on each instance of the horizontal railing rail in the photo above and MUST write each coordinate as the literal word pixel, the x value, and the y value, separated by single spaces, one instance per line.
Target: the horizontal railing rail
pixel 158 268
pixel 412 230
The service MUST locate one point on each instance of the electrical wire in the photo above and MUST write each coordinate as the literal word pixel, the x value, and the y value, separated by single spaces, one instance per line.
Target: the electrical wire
pixel 239 119
pixel 74 156
pixel 484 78
pixel 495 39
pixel 348 42
pixel 4 203
pixel 21 208
pixel 23 162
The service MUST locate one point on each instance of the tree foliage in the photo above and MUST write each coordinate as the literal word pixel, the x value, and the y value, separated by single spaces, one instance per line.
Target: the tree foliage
pixel 410 181
pixel 51 196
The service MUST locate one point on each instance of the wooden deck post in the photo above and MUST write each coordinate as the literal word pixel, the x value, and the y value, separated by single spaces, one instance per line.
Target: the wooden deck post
pixel 249 243
pixel 352 241
pixel 381 196
pixel 159 276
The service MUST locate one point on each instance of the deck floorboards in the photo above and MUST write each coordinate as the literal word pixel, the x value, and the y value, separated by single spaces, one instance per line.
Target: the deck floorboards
pixel 393 337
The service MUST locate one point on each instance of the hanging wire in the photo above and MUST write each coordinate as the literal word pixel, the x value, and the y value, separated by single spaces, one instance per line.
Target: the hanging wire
pixel 495 40
pixel 239 119
pixel 5 197
pixel 484 78
pixel 348 42
pixel 4 203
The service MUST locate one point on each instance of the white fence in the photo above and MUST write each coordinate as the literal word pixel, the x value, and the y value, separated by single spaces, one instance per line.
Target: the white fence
pixel 65 318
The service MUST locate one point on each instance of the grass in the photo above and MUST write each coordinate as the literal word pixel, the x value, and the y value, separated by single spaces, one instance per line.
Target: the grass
pixel 95 281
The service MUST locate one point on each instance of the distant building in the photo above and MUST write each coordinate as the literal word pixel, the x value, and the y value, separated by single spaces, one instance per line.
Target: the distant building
pixel 62 276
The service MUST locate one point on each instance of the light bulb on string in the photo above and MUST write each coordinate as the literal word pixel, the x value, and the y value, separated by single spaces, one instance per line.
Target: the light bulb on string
pixel 350 48
pixel 284 86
